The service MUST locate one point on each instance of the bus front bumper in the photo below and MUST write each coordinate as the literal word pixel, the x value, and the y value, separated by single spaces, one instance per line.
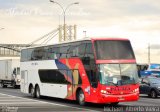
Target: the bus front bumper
pixel 118 98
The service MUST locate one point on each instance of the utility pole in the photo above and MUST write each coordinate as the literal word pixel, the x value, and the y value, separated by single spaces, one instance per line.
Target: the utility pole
pixel 149 61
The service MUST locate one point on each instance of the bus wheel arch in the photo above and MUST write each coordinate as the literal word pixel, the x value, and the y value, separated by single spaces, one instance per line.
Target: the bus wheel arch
pixel 31 90
pixel 37 91
pixel 30 87
pixel 80 96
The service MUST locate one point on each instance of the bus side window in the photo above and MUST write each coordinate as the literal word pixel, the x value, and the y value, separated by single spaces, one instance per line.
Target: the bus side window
pixel 63 51
pixel 37 54
pixel 93 78
pixel 29 54
pixel 57 52
pixel 82 48
pixel 52 76
pixel 24 54
pixel 73 51
pixel 52 53
pixel 87 58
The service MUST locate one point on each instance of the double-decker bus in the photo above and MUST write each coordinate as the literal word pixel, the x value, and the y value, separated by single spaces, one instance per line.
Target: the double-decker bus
pixel 97 70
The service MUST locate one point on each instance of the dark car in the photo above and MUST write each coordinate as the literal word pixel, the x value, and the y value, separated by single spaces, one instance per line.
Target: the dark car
pixel 151 86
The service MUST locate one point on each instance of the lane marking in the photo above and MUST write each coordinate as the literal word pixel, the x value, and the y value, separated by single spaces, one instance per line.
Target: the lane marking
pixel 15 100
pixel 19 103
pixel 50 103
pixel 6 96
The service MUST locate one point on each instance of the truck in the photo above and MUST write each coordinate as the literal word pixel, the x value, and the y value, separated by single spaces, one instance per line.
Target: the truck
pixel 152 69
pixel 10 73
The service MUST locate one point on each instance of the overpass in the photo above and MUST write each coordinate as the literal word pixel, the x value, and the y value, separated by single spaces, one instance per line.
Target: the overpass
pixel 11 50
pixel 64 33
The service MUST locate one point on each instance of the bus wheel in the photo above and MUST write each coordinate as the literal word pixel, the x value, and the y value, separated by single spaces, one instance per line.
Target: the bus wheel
pixel 81 98
pixel 38 95
pixel 32 92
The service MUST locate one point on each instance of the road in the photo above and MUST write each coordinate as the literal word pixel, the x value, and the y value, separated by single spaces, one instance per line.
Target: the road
pixel 13 99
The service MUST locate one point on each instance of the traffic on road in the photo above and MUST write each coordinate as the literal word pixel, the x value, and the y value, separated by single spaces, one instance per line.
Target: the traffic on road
pixel 103 56
pixel 79 76
pixel 151 86
pixel 13 99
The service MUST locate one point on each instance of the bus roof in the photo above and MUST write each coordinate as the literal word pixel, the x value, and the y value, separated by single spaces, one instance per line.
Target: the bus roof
pixel 84 39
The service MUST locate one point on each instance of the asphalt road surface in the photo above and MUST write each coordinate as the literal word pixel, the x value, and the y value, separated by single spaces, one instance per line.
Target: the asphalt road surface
pixel 12 100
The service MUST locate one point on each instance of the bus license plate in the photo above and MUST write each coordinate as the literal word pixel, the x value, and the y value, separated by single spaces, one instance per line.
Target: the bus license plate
pixel 120 98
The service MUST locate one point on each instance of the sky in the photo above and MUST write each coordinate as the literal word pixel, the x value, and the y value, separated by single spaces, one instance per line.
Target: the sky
pixel 138 20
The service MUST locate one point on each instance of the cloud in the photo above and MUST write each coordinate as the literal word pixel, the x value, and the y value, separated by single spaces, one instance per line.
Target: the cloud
pixel 137 20
pixel 26 20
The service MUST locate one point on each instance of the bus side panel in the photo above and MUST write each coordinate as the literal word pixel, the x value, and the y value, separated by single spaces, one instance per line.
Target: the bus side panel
pixel 76 64
pixel 50 89
pixel 58 90
pixel 46 89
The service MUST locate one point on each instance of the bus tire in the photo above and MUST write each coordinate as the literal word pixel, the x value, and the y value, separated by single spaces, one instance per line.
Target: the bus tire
pixel 81 98
pixel 37 92
pixel 32 92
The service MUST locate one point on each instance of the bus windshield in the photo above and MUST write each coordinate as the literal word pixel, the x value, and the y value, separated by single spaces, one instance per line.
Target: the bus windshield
pixel 118 74
pixel 113 49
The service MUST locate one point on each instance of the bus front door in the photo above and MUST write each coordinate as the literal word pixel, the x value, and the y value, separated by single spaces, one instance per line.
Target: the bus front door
pixel 75 83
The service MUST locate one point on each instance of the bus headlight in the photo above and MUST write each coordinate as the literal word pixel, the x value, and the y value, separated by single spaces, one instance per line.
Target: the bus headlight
pixel 136 90
pixel 103 91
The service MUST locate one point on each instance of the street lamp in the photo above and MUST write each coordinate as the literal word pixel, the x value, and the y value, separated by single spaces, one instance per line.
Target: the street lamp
pixel 64 11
